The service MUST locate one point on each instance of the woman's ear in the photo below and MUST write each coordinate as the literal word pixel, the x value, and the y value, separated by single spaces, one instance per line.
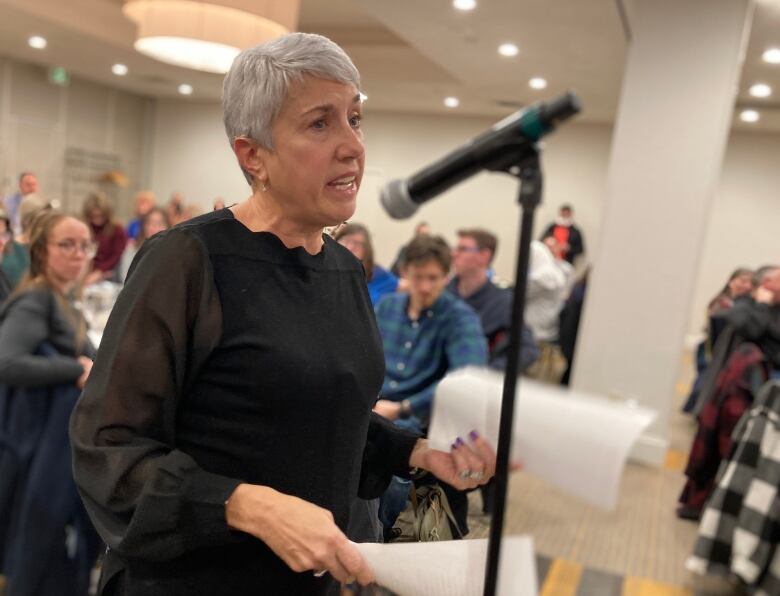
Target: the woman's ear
pixel 251 157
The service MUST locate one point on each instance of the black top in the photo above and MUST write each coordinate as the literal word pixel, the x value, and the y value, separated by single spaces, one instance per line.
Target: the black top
pixel 758 323
pixel 29 320
pixel 229 358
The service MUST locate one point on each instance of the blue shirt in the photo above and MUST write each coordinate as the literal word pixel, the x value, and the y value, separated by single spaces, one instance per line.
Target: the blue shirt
pixel 11 204
pixel 382 282
pixel 134 228
pixel 419 353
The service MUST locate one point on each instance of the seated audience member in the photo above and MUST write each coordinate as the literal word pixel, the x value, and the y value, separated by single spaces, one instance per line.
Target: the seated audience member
pixel 144 202
pixel 740 283
pixel 425 334
pixel 45 359
pixel 357 239
pixel 421 229
pixel 756 318
pixel 16 257
pixel 545 297
pixel 109 236
pixel 175 208
pixel 28 184
pixel 471 259
pixel 545 293
pixel 566 233
pixel 556 248
pixel 155 220
pixel 6 237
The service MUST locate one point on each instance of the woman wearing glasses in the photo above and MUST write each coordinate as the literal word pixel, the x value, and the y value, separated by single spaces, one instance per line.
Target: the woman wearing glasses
pixel 45 359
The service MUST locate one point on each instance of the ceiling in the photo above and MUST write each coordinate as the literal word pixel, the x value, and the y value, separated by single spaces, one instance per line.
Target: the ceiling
pixel 411 53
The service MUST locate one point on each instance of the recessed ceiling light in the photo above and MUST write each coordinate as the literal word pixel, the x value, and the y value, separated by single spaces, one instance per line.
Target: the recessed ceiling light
pixel 464 4
pixel 185 89
pixel 508 49
pixel 537 83
pixel 760 90
pixel 451 102
pixel 749 116
pixel 119 70
pixel 37 42
pixel 771 55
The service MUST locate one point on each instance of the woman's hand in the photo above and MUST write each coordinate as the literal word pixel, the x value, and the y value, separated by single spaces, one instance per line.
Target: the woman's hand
pixel 86 364
pixel 302 534
pixel 466 465
pixel 388 409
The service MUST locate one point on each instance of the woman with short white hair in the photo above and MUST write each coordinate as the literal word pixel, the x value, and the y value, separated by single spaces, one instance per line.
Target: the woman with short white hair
pixel 227 425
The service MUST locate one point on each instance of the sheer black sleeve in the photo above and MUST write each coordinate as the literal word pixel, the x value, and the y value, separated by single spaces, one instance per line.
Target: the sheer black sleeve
pixel 387 453
pixel 147 499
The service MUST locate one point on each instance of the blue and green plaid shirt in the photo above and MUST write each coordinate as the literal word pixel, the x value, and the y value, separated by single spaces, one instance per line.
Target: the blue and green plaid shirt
pixel 419 353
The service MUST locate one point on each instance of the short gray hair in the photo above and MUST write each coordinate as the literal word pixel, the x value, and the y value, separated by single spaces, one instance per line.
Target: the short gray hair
pixel 257 83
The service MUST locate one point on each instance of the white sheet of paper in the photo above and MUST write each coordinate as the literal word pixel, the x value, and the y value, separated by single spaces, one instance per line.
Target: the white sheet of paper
pixel 573 440
pixel 454 567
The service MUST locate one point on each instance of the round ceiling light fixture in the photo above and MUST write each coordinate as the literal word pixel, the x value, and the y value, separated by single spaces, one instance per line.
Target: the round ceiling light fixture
pixel 207 36
pixel 749 116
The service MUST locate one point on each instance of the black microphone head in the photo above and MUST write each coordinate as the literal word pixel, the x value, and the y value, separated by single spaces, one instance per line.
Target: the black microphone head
pixel 561 108
pixel 396 200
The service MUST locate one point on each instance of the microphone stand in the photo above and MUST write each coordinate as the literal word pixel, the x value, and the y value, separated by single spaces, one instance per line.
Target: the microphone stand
pixel 527 168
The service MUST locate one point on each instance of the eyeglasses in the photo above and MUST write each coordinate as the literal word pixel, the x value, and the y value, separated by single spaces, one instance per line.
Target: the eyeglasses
pixel 466 249
pixel 71 247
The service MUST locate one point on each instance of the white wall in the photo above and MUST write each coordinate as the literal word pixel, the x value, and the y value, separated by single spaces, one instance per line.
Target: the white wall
pixel 744 227
pixel 191 155
pixel 40 121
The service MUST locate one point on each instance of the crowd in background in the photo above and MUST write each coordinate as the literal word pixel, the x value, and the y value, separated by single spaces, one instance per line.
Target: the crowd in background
pixel 438 308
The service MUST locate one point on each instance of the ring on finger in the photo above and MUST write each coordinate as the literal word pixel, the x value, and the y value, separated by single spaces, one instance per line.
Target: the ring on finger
pixel 465 474
pixel 477 475
pixel 320 573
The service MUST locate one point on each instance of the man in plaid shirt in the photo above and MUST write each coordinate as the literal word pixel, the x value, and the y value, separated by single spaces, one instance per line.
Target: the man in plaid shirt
pixel 425 334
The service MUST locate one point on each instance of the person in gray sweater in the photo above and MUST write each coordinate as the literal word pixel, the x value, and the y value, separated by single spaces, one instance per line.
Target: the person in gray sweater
pixel 40 310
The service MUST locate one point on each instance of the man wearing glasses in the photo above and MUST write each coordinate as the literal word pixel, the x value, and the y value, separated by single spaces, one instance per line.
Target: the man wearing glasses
pixel 471 259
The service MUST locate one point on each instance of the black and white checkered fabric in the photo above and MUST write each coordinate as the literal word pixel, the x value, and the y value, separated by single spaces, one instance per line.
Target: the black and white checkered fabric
pixel 740 528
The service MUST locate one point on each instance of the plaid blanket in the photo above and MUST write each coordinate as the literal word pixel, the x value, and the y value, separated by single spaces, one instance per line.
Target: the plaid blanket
pixel 740 528
pixel 744 373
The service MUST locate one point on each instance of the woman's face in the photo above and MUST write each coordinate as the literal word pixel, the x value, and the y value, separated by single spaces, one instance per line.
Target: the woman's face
pixel 68 250
pixel 356 243
pixel 315 169
pixel 741 285
pixel 155 222
pixel 97 218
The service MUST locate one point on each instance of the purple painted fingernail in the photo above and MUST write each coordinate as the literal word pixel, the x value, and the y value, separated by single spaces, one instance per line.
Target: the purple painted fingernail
pixel 459 442
pixel 473 435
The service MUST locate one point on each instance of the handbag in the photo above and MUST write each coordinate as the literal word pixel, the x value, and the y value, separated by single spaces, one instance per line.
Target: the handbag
pixel 427 516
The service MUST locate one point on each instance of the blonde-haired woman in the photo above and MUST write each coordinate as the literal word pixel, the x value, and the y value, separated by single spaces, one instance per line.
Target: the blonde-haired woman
pixel 45 359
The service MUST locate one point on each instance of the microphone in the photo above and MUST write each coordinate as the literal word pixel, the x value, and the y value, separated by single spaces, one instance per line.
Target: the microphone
pixel 500 147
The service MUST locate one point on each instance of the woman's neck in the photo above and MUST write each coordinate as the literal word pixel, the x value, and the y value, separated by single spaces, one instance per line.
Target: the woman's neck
pixel 260 214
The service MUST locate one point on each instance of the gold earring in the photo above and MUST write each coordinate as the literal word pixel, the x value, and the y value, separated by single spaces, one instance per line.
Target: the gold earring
pixel 263 187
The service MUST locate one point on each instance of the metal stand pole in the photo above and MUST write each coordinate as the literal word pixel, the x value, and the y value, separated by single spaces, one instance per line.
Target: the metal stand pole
pixel 530 175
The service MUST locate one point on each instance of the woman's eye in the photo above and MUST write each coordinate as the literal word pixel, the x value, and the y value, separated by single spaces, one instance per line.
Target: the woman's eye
pixel 356 120
pixel 318 124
